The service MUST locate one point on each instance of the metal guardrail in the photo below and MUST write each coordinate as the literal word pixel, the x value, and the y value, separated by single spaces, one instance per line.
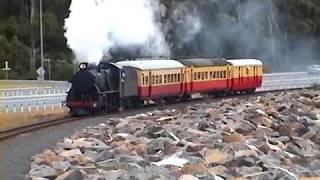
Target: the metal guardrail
pixel 24 108
pixel 8 93
pixel 289 75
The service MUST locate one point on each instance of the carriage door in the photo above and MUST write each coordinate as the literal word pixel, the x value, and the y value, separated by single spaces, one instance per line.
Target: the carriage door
pixel 239 78
pixel 191 79
pixel 150 84
pixel 181 79
pixel 228 77
pixel 255 75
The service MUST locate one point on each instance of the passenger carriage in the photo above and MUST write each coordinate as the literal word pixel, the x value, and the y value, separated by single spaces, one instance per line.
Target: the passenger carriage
pixel 246 75
pixel 155 79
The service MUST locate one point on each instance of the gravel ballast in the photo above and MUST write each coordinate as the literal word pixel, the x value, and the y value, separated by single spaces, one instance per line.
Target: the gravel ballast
pixel 272 136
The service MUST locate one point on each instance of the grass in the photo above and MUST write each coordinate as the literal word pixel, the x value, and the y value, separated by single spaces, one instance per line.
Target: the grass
pixel 316 86
pixel 13 120
pixel 20 84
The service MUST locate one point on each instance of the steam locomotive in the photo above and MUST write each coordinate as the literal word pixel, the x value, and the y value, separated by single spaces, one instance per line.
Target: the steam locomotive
pixel 108 87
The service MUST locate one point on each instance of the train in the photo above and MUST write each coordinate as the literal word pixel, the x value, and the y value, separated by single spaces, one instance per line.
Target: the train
pixel 109 87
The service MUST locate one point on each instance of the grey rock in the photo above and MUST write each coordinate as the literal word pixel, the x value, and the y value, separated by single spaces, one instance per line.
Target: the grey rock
pixel 154 158
pixel 133 159
pixel 158 144
pixel 282 139
pixel 110 164
pixel 43 171
pixel 242 171
pixel 73 174
pixel 300 170
pixel 61 165
pixel 109 175
pixel 95 155
pixel 315 165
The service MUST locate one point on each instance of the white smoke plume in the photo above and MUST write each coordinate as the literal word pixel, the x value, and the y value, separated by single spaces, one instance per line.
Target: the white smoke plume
pixel 188 22
pixel 94 26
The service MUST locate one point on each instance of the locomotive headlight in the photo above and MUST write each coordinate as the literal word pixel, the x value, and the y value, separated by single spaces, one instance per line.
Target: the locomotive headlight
pixel 83 65
pixel 95 105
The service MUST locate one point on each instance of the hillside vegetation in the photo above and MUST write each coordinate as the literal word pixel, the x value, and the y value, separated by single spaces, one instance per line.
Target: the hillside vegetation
pixel 282 32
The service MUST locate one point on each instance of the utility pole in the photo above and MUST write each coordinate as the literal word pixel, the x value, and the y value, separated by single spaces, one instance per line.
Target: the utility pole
pixel 41 38
pixel 49 67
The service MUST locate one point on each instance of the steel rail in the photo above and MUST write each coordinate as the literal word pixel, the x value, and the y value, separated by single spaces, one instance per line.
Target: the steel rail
pixel 34 126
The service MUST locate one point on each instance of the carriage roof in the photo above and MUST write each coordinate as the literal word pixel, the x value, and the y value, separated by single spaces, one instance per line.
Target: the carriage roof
pixel 204 62
pixel 245 62
pixel 152 64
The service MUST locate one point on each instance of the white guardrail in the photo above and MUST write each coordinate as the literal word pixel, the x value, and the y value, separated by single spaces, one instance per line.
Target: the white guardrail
pixel 28 108
pixel 32 91
pixel 46 98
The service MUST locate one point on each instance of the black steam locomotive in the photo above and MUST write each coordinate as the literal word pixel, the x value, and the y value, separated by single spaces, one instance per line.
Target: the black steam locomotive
pixel 94 88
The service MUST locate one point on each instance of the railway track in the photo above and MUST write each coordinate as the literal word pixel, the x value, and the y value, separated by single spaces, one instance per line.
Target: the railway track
pixel 277 82
pixel 31 127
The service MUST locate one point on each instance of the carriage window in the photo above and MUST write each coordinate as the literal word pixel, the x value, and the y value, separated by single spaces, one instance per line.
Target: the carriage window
pixel 165 78
pixel 147 80
pixel 153 79
pixel 211 75
pixel 160 79
pixel 206 75
pixel 171 78
pixel 224 74
pixel 218 75
pixel 179 78
pixel 195 76
pixel 247 70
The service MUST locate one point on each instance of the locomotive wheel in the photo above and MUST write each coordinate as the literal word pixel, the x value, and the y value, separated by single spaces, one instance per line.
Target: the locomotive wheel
pixel 185 97
pixel 172 99
pixel 251 91
pixel 137 103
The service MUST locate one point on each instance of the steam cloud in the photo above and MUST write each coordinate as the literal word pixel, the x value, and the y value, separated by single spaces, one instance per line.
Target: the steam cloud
pixel 95 26
pixel 229 28
pixel 236 29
